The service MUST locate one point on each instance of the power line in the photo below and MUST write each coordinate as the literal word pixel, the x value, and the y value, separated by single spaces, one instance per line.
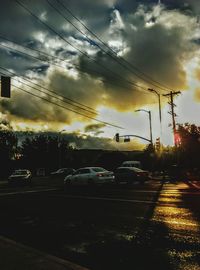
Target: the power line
pixel 78 107
pixel 48 90
pixel 33 49
pixel 38 51
pixel 85 54
pixel 37 58
pixel 63 107
pixel 76 66
pixel 116 57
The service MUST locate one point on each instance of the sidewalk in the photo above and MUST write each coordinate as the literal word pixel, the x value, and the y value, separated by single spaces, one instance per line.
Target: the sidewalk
pixel 15 256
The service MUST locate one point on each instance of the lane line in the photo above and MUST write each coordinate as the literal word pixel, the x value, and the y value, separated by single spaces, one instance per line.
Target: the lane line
pixel 27 191
pixel 164 192
pixel 116 200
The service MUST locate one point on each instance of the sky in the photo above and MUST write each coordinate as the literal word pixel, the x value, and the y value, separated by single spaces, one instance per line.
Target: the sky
pixel 85 67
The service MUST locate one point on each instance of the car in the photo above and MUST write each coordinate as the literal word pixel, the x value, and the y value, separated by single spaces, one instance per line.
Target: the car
pixel 131 163
pixel 60 173
pixel 21 176
pixel 176 173
pixel 89 176
pixel 129 175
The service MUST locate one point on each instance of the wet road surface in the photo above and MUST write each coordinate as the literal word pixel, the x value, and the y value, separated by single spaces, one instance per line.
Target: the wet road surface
pixel 150 226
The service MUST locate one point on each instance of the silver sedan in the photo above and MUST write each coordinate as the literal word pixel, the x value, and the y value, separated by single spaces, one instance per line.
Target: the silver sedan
pixel 89 176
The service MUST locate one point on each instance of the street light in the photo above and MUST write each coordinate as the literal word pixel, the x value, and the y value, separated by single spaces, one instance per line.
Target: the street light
pixel 150 125
pixel 160 115
pixel 59 149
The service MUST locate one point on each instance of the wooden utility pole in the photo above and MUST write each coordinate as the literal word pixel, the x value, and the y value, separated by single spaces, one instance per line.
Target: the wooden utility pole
pixel 171 103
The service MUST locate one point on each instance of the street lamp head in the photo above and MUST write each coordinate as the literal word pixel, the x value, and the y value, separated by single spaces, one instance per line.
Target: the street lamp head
pixel 153 91
pixel 143 110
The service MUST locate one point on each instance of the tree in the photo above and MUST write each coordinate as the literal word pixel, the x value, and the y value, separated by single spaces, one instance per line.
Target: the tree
pixel 45 151
pixel 8 146
pixel 189 148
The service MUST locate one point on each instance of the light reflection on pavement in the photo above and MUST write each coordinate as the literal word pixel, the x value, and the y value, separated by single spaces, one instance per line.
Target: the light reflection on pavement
pixel 182 225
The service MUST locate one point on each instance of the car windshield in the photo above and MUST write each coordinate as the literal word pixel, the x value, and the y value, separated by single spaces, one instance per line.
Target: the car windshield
pixel 20 172
pixel 99 169
pixel 137 169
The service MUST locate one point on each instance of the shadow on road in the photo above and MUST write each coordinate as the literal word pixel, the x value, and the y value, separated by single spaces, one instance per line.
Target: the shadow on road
pixel 98 235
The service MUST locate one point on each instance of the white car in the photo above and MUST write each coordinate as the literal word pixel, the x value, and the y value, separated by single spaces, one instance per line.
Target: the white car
pixel 20 176
pixel 89 176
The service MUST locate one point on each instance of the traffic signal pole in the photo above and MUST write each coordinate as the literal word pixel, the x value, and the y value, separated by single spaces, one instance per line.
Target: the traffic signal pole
pixel 117 137
pixel 150 123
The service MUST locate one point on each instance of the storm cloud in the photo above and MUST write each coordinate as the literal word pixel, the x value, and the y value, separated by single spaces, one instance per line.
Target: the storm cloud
pixel 156 39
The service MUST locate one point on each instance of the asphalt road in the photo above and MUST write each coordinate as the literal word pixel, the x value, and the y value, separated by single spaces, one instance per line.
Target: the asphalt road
pixel 150 226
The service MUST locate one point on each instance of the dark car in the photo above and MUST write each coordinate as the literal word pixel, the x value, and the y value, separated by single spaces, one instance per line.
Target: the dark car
pixel 176 173
pixel 130 174
pixel 20 177
pixel 60 173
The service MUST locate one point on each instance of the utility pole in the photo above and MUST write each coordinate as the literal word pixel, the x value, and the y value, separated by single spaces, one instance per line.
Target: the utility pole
pixel 171 103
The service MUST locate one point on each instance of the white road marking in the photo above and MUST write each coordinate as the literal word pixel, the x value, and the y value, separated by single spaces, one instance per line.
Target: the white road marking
pixel 27 191
pixel 115 199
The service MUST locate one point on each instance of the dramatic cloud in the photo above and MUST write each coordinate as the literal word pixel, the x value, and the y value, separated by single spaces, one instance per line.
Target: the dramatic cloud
pixel 94 128
pixel 157 38
pixel 85 142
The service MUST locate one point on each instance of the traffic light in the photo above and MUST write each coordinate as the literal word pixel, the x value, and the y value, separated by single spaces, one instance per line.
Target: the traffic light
pixel 117 137
pixel 5 86
pixel 157 144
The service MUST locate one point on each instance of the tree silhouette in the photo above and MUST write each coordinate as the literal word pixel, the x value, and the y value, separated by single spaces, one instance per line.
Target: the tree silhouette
pixel 45 151
pixel 8 146
pixel 189 149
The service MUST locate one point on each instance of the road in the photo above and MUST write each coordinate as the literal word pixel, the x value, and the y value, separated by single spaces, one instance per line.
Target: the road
pixel 151 226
